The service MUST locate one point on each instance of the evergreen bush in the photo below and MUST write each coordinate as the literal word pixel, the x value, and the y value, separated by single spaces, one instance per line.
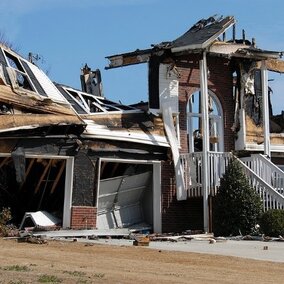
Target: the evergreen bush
pixel 236 206
pixel 272 223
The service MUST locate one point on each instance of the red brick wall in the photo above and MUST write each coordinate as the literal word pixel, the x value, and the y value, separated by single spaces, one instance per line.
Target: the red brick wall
pixel 83 217
pixel 178 216
pixel 183 215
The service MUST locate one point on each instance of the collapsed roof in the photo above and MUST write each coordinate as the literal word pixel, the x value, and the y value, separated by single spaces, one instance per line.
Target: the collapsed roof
pixel 108 120
pixel 209 35
pixel 30 102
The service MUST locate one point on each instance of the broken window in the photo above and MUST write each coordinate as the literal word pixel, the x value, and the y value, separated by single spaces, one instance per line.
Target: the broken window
pixel 253 93
pixel 253 98
pixel 275 92
pixel 20 76
pixel 194 123
pixel 91 104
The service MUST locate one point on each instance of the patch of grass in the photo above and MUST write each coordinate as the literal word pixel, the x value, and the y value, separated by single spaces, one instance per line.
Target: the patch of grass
pixel 99 275
pixel 45 278
pixel 75 273
pixel 17 282
pixel 21 268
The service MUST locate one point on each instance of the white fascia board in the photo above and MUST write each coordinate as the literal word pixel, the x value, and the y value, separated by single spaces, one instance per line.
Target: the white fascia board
pixel 187 47
pixel 20 128
pixel 225 48
pixel 31 126
pixel 101 132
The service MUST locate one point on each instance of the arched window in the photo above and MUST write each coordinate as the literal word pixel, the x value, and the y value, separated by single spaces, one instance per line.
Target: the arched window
pixel 194 123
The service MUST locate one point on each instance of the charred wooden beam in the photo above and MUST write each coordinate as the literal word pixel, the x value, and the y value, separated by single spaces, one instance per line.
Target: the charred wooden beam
pixel 275 65
pixel 4 162
pixel 23 100
pixel 131 58
pixel 43 176
pixel 59 174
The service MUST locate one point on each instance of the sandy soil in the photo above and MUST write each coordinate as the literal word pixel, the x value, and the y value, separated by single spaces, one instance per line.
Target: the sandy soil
pixel 73 262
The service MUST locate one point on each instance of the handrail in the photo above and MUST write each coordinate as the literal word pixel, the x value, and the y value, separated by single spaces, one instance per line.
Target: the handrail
pixel 218 161
pixel 269 172
pixel 271 198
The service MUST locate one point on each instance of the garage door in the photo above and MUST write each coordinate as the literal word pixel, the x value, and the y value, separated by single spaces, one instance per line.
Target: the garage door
pixel 125 201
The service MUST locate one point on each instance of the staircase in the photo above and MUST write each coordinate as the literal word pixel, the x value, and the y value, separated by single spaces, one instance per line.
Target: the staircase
pixel 265 177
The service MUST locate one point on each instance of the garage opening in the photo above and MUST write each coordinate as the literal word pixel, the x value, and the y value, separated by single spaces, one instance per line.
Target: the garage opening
pixel 126 196
pixel 32 184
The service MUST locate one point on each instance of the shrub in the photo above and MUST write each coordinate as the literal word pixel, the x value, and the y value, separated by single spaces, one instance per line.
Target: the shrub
pixel 272 223
pixel 5 216
pixel 236 206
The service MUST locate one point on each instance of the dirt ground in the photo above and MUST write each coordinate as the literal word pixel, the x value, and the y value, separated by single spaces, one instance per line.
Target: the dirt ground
pixel 74 262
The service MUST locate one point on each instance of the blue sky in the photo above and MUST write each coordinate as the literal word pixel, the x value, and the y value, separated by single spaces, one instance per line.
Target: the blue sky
pixel 67 34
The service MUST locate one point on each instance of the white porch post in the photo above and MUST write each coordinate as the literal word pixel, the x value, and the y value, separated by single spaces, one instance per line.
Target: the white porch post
pixel 265 109
pixel 68 192
pixel 205 140
pixel 157 206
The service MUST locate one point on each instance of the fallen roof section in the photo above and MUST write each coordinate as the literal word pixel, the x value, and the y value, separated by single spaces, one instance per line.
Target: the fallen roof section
pixel 207 34
pixel 202 34
pixel 40 219
pixel 29 101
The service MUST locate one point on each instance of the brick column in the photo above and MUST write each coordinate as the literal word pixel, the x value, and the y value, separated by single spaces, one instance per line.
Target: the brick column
pixel 83 217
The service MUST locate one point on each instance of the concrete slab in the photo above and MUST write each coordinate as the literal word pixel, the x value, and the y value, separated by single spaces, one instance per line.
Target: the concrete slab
pixel 244 249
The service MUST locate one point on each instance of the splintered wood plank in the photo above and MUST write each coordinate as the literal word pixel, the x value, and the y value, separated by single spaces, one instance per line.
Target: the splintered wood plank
pixel 4 162
pixel 43 175
pixel 30 100
pixel 59 174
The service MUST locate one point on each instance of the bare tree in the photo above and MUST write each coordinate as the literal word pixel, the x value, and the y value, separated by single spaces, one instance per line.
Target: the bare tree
pixel 4 40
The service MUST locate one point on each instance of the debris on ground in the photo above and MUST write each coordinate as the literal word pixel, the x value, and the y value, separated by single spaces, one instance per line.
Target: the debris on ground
pixel 141 240
pixel 178 238
pixel 32 240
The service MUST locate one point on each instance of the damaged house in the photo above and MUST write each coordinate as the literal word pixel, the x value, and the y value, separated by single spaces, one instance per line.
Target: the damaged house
pixel 211 91
pixel 94 163
pixel 85 160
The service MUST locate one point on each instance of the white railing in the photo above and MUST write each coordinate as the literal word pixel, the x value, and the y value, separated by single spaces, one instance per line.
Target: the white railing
pixel 192 164
pixel 272 198
pixel 268 171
